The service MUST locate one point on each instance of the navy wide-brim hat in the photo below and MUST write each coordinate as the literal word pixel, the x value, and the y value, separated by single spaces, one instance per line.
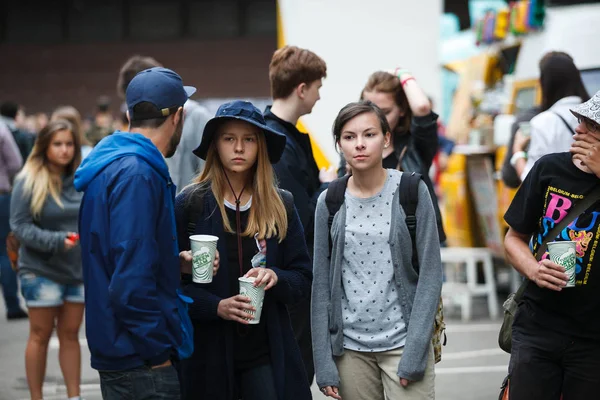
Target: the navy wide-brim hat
pixel 242 111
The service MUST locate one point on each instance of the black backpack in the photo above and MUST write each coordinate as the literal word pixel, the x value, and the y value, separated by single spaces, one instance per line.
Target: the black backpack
pixel 409 200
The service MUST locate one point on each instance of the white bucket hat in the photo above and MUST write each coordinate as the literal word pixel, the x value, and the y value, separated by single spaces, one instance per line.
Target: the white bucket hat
pixel 590 109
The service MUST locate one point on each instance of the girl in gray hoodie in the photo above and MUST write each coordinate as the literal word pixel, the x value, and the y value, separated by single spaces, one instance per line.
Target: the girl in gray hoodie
pixel 44 217
pixel 372 312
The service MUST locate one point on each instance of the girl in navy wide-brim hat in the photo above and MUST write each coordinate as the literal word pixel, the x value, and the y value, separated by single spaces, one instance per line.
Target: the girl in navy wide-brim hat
pixel 260 236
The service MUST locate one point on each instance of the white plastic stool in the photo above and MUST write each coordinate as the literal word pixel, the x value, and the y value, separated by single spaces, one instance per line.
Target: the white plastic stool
pixel 463 293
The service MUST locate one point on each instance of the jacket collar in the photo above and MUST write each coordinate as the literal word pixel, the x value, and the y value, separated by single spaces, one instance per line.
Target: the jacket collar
pixel 287 126
pixel 569 100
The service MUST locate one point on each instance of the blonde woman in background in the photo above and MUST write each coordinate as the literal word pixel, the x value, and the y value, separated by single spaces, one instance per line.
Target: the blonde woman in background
pixel 44 217
pixel 71 114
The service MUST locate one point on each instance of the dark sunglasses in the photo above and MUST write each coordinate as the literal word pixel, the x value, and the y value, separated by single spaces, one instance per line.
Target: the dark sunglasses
pixel 589 124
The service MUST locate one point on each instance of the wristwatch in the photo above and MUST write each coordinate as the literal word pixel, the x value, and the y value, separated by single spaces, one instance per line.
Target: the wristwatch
pixel 517 156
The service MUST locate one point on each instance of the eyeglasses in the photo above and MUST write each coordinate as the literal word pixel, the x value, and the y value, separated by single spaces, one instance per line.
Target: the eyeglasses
pixel 589 124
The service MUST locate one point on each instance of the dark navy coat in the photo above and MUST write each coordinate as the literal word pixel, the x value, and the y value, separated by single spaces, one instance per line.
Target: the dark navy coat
pixel 209 373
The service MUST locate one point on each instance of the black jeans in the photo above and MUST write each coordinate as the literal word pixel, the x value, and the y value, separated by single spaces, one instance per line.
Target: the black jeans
pixel 257 383
pixel 544 363
pixel 141 383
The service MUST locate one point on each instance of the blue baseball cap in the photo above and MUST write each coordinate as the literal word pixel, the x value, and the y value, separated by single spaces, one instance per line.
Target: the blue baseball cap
pixel 242 111
pixel 159 86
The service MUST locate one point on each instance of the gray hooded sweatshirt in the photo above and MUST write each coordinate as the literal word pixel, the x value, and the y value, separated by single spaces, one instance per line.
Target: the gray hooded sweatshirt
pixel 419 294
pixel 42 250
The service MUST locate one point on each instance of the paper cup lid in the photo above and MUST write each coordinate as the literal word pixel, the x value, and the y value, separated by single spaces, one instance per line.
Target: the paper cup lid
pixel 247 280
pixel 204 238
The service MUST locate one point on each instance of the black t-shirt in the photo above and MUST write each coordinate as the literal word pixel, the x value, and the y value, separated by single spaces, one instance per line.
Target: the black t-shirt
pixel 550 190
pixel 251 344
pixel 391 161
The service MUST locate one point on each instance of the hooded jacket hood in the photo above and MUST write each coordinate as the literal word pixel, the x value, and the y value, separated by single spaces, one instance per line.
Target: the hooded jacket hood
pixel 118 145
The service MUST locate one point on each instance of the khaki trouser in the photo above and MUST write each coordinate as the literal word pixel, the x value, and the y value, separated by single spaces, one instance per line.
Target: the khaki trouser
pixel 372 376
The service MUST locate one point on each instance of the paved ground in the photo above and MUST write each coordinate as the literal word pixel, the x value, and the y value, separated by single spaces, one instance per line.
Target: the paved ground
pixel 472 367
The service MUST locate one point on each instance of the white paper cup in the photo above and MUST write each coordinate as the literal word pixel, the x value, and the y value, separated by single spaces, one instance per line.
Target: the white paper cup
pixel 256 295
pixel 565 255
pixel 203 256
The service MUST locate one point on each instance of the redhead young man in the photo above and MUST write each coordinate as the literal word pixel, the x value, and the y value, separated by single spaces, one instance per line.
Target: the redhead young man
pixel 296 76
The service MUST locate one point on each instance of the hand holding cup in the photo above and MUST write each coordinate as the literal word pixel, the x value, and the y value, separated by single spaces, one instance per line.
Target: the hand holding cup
pixel 256 294
pixel 263 276
pixel 236 309
pixel 550 275
pixel 185 262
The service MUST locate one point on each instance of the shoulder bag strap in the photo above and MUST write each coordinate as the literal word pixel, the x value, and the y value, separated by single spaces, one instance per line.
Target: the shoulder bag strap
pixel 564 122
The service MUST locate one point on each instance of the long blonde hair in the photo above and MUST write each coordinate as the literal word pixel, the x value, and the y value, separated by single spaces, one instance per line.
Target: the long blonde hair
pixel 39 182
pixel 268 215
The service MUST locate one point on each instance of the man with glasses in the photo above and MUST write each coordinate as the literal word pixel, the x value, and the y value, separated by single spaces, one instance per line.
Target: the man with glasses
pixel 555 346
pixel 589 124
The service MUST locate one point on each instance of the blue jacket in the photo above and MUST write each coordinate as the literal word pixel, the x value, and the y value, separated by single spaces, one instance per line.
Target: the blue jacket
pixel 209 373
pixel 130 254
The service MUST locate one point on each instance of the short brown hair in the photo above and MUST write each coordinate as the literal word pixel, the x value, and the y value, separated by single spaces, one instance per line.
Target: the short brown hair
pixel 146 108
pixel 292 66
pixel 385 82
pixel 353 110
pixel 130 69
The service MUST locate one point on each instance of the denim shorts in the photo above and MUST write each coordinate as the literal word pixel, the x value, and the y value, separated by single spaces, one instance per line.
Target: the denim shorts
pixel 42 292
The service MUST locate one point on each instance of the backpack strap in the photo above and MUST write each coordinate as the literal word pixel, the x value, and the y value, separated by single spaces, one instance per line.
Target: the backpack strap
pixel 194 206
pixel 288 201
pixel 564 122
pixel 409 200
pixel 334 200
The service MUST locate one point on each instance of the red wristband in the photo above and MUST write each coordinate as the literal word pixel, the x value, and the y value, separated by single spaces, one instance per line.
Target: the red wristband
pixel 410 78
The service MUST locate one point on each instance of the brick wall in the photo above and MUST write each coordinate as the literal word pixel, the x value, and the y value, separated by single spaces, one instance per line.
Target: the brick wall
pixel 43 77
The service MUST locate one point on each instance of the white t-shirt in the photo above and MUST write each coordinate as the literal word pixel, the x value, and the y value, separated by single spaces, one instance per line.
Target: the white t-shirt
pixel 549 133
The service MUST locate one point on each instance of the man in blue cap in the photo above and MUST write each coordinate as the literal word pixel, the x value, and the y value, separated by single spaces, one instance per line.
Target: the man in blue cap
pixel 184 165
pixel 129 247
